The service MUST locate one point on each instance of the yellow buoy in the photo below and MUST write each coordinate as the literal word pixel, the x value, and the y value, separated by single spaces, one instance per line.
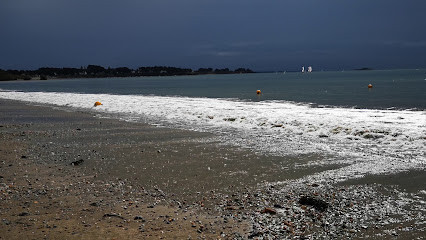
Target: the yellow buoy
pixel 97 104
pixel 258 92
pixel 370 86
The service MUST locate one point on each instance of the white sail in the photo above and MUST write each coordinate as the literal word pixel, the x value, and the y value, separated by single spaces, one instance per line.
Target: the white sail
pixel 303 69
pixel 310 69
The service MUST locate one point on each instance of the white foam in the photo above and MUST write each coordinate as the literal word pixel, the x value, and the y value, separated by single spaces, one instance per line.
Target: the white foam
pixel 368 141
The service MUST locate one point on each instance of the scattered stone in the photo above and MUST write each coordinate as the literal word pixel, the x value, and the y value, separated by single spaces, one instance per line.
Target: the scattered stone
pixel 23 156
pixel 269 210
pixel 139 218
pixel 78 162
pixel 255 233
pixel 94 204
pixel 373 136
pixel 22 214
pixel 230 119
pixel 318 204
pixel 113 215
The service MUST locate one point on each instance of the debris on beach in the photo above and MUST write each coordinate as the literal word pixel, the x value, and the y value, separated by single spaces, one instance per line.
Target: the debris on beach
pixel 78 162
pixel 97 104
pixel 113 215
pixel 318 204
pixel 269 210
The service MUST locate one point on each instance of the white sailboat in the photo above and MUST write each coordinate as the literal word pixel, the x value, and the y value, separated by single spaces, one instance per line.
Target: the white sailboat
pixel 303 69
pixel 310 69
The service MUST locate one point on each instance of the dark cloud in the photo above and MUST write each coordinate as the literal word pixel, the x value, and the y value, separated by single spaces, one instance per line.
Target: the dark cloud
pixel 264 35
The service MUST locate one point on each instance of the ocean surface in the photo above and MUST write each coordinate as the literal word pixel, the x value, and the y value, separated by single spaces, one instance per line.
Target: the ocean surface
pixel 332 114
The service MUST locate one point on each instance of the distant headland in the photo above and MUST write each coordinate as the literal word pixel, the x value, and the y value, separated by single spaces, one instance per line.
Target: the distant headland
pixel 364 69
pixel 95 71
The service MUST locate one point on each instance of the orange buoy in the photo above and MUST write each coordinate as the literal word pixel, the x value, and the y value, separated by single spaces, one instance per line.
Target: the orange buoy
pixel 97 104
pixel 258 92
pixel 370 86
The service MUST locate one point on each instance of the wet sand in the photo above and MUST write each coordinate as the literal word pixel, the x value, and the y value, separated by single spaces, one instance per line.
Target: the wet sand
pixel 75 175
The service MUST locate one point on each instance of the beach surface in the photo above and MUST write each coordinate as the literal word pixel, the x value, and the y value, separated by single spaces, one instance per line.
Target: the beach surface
pixel 82 175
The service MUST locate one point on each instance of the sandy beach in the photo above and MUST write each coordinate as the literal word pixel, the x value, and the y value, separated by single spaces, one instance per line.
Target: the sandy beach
pixel 79 175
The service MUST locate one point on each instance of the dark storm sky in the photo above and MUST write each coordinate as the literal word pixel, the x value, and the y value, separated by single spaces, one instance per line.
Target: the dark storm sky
pixel 259 34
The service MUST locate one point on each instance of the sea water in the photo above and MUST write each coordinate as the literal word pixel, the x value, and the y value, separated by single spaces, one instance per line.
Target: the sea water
pixel 333 114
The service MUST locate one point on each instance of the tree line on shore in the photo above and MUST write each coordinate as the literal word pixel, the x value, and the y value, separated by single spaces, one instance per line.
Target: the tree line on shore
pixel 95 71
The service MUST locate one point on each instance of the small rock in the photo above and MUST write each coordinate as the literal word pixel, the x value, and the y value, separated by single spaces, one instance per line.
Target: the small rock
pixel 318 204
pixel 78 162
pixel 22 214
pixel 269 210
pixel 113 215
pixel 139 218
pixel 254 233
pixel 230 119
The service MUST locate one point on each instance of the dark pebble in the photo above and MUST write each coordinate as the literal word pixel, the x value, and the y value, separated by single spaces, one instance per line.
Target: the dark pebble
pixel 78 162
pixel 139 218
pixel 318 204
pixel 269 210
pixel 22 214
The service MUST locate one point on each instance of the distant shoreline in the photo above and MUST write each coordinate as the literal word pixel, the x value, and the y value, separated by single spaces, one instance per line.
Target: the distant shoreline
pixel 94 71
